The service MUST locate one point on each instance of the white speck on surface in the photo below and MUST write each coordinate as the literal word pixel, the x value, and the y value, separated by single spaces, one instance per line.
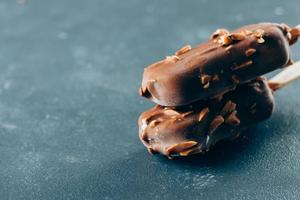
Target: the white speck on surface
pixel 198 181
pixel 71 159
pixel 62 35
pixel 21 2
pixel 8 126
pixel 7 84
pixel 278 11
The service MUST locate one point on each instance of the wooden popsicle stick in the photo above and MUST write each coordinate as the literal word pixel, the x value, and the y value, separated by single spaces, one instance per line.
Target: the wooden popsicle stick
pixel 285 77
pixel 294 34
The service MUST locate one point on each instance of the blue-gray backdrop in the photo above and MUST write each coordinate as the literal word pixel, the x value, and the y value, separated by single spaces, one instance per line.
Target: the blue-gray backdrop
pixel 69 76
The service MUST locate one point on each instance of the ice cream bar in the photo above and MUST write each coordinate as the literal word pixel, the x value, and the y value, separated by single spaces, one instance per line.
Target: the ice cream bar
pixel 194 128
pixel 217 66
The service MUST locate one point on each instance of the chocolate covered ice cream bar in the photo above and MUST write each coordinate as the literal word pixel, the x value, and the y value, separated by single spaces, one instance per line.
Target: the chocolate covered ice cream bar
pixel 217 66
pixel 194 128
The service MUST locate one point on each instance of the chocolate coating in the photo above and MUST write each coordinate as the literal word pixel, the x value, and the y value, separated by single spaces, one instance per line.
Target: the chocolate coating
pixel 218 65
pixel 195 128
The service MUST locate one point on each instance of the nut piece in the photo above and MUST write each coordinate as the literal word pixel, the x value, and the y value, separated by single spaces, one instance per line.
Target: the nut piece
pixel 181 147
pixel 260 40
pixel 232 119
pixel 245 64
pixel 193 150
pixel 259 33
pixel 172 58
pixel 171 112
pixel 187 113
pixel 228 48
pixel 250 52
pixel 205 80
pixel 219 32
pixel 215 77
pixel 228 108
pixel 216 122
pixel 183 50
pixel 203 114
pixel 225 40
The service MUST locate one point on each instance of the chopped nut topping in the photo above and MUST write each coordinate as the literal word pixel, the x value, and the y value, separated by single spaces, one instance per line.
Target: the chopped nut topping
pixel 172 58
pixel 215 77
pixel 171 112
pixel 225 40
pixel 205 80
pixel 229 47
pixel 233 119
pixel 219 32
pixel 237 36
pixel 250 52
pixel 186 113
pixel 203 114
pixel 216 122
pixel 259 33
pixel 245 64
pixel 193 150
pixel 206 85
pixel 183 50
pixel 235 79
pixel 260 40
pixel 228 108
pixel 181 147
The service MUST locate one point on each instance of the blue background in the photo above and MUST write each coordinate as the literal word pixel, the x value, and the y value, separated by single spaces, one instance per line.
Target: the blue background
pixel 69 76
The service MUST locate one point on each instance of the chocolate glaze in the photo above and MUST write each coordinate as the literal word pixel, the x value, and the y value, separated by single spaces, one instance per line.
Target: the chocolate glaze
pixel 218 65
pixel 195 128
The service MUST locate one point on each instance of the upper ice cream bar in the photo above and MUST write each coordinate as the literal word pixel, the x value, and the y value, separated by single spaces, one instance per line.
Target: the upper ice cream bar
pixel 217 66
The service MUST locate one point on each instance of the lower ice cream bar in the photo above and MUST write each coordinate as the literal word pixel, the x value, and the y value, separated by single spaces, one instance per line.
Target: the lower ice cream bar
pixel 194 128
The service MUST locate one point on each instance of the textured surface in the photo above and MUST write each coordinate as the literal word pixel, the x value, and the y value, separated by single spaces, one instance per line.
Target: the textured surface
pixel 70 72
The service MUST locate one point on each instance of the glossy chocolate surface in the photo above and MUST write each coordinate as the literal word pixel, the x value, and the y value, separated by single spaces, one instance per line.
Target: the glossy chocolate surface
pixel 217 66
pixel 195 128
